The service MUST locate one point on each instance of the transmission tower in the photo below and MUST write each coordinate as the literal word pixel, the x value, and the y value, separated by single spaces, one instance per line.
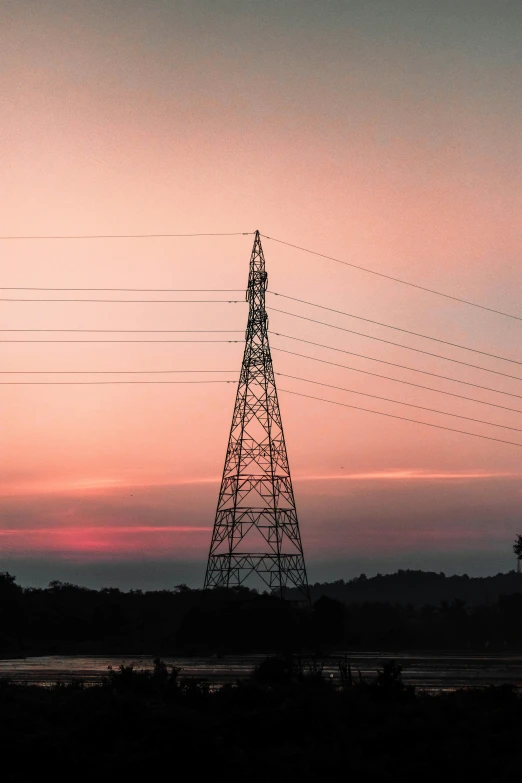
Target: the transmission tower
pixel 256 529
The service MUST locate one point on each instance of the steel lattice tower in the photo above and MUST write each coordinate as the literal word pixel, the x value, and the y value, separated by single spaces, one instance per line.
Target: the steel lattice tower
pixel 256 506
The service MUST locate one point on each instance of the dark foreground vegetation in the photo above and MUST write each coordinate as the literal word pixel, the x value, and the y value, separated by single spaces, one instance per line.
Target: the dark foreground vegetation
pixel 383 613
pixel 284 723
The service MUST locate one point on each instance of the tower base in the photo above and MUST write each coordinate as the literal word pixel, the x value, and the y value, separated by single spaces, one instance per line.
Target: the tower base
pixel 277 571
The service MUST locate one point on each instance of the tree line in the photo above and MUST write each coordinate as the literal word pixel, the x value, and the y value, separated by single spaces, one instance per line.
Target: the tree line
pixel 383 613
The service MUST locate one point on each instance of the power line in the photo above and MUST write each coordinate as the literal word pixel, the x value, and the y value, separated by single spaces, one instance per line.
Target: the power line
pixel 397 380
pixel 152 290
pixel 97 383
pixel 399 402
pixel 398 345
pixel 397 328
pixel 395 279
pixel 127 301
pixel 274 293
pixel 131 236
pixel 132 331
pixel 101 372
pixel 121 341
pixel 401 366
pixel 282 350
pixel 273 239
pixel 401 418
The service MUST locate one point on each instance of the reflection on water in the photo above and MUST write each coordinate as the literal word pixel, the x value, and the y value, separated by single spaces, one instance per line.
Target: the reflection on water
pixel 429 671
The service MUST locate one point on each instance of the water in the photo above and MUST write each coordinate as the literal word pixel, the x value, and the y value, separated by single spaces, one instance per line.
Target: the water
pixel 428 671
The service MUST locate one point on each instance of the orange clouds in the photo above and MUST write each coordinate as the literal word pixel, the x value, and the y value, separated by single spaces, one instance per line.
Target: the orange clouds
pixel 341 515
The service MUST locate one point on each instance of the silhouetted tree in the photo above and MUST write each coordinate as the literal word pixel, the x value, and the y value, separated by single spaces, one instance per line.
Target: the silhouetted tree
pixel 517 549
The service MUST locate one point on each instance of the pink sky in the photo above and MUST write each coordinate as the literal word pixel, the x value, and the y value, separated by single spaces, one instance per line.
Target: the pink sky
pixel 385 138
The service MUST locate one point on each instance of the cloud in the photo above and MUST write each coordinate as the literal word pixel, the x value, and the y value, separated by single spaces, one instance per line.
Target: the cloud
pixel 112 542
pixel 103 486
pixel 90 485
pixel 398 510
pixel 409 475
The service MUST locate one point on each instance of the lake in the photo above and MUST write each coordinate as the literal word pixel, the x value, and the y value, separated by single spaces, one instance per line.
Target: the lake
pixel 428 671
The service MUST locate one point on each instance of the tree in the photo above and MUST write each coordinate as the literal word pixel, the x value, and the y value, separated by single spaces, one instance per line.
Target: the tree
pixel 7 584
pixel 517 549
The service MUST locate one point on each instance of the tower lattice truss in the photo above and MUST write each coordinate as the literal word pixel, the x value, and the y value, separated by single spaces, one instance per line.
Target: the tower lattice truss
pixel 256 528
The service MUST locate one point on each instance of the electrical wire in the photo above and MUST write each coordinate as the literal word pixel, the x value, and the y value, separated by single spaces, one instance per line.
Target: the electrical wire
pixel 401 418
pixel 281 350
pixel 292 353
pixel 273 239
pixel 121 341
pixel 131 236
pixel 396 279
pixel 100 372
pixel 151 290
pixel 399 402
pixel 398 345
pixel 133 331
pixel 127 301
pixel 98 383
pixel 393 364
pixel 398 329
pixel 397 380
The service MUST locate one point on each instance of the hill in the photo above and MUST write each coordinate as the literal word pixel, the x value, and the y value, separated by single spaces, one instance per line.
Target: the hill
pixel 418 588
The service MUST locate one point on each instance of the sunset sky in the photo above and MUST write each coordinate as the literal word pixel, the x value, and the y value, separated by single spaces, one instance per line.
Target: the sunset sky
pixel 385 133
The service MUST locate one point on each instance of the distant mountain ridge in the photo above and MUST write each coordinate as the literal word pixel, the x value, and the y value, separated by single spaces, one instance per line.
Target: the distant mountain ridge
pixel 418 588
